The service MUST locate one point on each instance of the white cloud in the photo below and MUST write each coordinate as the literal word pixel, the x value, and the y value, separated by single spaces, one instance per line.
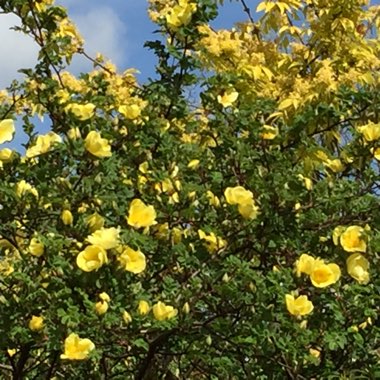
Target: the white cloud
pixel 101 27
pixel 18 51
pixel 103 32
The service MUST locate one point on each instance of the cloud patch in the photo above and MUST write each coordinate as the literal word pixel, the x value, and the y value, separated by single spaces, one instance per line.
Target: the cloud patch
pixel 104 32
pixel 100 26
pixel 18 51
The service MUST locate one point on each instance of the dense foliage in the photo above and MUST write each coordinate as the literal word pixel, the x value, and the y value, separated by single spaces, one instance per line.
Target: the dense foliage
pixel 220 221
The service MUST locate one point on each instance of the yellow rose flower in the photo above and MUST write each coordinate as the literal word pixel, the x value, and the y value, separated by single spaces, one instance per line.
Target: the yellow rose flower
pixel 132 261
pixel 80 111
pixel 101 307
pixel 248 210
pixel 143 307
pixel 304 264
pixel 67 217
pixel 92 258
pixel 7 129
pixel 323 275
pixel 314 352
pixel 228 98
pixel 162 311
pixel 36 323
pixel 353 239
pixel 141 215
pixel 12 351
pixel 77 348
pixel 6 155
pixel 106 238
pixel 97 146
pixel 299 306
pixel 130 112
pixel 212 199
pixel 338 230
pixel 23 187
pixel 43 144
pixel 357 267
pixel 238 195
pixel 370 132
pixel 36 248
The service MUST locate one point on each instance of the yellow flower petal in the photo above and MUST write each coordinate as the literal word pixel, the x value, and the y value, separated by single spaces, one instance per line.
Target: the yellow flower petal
pixel 299 306
pixel 133 261
pixel 7 129
pixel 353 239
pixel 77 348
pixel 97 146
pixel 141 215
pixel 92 258
pixel 162 311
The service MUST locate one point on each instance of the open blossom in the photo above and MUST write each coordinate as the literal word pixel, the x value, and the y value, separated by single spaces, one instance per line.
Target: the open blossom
pixel 141 215
pixel 132 261
pixel 238 195
pixel 357 267
pixel 162 311
pixel 304 264
pixel 106 238
pixel 323 275
pixel 353 239
pixel 81 111
pixel 43 144
pixel 23 187
pixel 130 112
pixel 7 130
pixel 97 146
pixel 77 348
pixel 298 306
pixel 370 132
pixel 92 258
pixel 228 98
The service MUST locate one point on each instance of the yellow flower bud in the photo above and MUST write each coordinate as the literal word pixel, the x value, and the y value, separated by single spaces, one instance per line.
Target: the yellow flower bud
pixel 127 317
pixel 67 217
pixel 143 307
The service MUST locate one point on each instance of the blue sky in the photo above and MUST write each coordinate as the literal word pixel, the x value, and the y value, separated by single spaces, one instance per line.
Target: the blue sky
pixel 116 28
